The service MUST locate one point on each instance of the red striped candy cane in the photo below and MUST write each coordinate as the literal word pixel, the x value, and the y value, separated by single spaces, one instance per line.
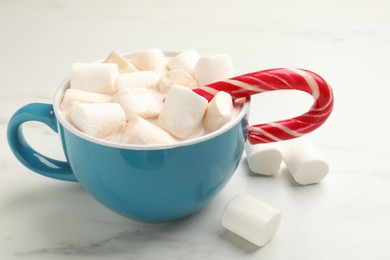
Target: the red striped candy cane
pixel 277 79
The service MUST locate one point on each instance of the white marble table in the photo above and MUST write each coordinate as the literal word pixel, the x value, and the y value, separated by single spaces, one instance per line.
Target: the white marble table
pixel 347 216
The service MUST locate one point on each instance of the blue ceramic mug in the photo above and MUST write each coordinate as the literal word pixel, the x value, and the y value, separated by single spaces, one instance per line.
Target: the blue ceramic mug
pixel 149 183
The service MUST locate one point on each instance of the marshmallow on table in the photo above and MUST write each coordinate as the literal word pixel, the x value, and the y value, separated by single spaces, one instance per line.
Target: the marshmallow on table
pixel 214 68
pixel 139 102
pixel 264 159
pixel 153 59
pixel 139 79
pixel 304 161
pixel 185 60
pixel 99 119
pixel 219 111
pixel 182 112
pixel 251 219
pixel 94 77
pixel 123 64
pixel 179 77
pixel 141 131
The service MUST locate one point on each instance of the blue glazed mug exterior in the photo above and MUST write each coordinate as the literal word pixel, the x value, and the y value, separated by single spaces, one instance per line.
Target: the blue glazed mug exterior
pixel 147 183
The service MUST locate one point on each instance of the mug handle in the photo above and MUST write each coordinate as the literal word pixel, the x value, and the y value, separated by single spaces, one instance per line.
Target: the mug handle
pixel 28 156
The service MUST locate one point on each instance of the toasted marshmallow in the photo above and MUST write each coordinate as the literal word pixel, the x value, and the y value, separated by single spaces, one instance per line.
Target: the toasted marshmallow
pixel 305 162
pixel 179 77
pixel 123 64
pixel 139 79
pixel 182 112
pixel 251 219
pixel 214 68
pixel 141 131
pixel 94 77
pixel 153 59
pixel 139 102
pixel 99 119
pixel 264 159
pixel 219 111
pixel 185 60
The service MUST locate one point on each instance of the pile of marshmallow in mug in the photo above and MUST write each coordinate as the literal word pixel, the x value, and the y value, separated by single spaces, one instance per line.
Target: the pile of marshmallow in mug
pixel 136 101
pixel 148 100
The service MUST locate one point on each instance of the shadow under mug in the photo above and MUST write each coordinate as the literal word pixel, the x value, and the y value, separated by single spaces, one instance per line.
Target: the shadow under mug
pixel 148 183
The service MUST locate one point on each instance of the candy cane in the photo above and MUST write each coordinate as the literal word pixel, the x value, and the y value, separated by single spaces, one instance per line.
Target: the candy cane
pixel 277 79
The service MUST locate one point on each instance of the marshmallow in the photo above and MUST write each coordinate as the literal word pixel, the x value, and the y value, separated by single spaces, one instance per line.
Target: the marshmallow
pixel 264 159
pixel 73 96
pixel 182 112
pixel 305 163
pixel 98 120
pixel 139 79
pixel 94 77
pixel 123 64
pixel 139 102
pixel 179 77
pixel 251 219
pixel 153 59
pixel 115 137
pixel 141 131
pixel 214 68
pixel 219 111
pixel 185 60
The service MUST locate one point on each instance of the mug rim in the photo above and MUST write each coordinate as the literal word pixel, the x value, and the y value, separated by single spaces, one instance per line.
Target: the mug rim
pixel 68 126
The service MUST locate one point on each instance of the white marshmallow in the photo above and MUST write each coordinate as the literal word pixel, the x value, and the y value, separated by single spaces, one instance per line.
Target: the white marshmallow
pixel 94 77
pixel 115 137
pixel 214 68
pixel 219 111
pixel 98 120
pixel 73 96
pixel 139 79
pixel 153 59
pixel 123 64
pixel 179 77
pixel 182 112
pixel 139 102
pixel 251 219
pixel 264 159
pixel 141 131
pixel 185 60
pixel 304 161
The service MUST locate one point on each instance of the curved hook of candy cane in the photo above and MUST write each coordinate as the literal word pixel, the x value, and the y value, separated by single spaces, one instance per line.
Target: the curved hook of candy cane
pixel 278 79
